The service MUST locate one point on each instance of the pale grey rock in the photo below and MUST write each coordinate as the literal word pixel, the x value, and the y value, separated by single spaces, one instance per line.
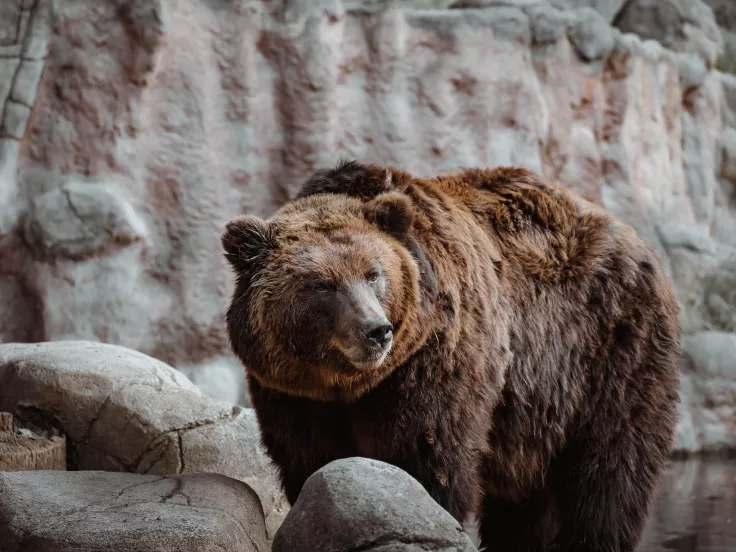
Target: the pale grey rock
pixel 363 504
pixel 125 411
pixel 719 302
pixel 10 14
pixel 36 39
pixel 221 378
pixel 591 35
pixel 676 235
pixel 728 161
pixel 26 82
pixel 233 447
pixel 8 68
pixel 80 220
pixel 481 4
pixel 681 25
pixel 728 83
pixel 426 4
pixel 692 70
pixel 88 511
pixel 14 119
pixel 724 12
pixel 708 387
pixel 607 8
pixel 548 24
pixel 727 61
pixel 509 23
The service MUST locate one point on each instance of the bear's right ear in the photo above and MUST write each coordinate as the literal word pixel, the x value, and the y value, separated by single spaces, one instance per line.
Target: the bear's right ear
pixel 392 212
pixel 246 242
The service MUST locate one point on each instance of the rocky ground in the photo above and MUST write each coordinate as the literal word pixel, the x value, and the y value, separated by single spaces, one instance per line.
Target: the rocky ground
pixel 156 465
pixel 153 464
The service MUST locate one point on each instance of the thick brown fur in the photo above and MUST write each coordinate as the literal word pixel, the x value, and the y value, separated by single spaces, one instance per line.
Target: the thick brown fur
pixel 535 369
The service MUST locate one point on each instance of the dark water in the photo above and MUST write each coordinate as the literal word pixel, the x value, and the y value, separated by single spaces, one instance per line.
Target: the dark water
pixel 695 509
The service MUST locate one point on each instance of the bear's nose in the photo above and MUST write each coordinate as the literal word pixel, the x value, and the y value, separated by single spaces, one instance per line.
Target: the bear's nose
pixel 378 332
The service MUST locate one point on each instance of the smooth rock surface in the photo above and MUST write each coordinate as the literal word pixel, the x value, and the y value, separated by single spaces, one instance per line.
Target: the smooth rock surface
pixel 79 221
pixel 124 411
pixel 590 35
pixel 94 511
pixel 362 504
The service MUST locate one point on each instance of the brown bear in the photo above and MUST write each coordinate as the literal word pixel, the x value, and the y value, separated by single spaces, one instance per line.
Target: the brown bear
pixel 508 344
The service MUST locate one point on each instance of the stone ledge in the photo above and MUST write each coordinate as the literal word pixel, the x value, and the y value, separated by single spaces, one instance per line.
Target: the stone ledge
pixel 124 411
pixel 72 511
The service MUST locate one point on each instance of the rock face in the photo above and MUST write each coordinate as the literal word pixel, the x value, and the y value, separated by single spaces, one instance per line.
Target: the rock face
pixel 123 411
pixel 132 130
pixel 682 25
pixel 708 410
pixel 91 511
pixel 360 504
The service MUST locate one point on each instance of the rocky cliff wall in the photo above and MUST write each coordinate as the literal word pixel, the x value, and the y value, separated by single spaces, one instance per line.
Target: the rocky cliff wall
pixel 131 130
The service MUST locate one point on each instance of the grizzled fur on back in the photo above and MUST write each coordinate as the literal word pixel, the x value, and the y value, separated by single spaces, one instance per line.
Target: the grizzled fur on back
pixel 534 373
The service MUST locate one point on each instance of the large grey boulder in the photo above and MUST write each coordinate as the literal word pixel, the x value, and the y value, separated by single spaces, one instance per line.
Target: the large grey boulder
pixel 95 511
pixel 124 411
pixel 367 505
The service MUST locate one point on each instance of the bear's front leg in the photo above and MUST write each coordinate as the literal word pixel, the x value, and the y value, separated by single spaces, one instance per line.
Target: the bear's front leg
pixel 450 474
pixel 442 452
pixel 299 435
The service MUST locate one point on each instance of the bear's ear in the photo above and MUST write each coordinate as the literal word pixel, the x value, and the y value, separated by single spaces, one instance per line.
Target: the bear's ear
pixel 246 242
pixel 392 212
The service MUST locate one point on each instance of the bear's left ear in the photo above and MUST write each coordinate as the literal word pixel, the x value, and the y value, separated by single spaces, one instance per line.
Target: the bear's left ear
pixel 246 241
pixel 392 212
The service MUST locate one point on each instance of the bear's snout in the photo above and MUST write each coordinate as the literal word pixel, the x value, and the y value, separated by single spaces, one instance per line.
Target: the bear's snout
pixel 363 333
pixel 378 332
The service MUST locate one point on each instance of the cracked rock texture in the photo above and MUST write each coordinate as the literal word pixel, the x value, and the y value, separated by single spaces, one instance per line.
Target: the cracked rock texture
pixel 93 511
pixel 123 411
pixel 132 130
pixel 361 504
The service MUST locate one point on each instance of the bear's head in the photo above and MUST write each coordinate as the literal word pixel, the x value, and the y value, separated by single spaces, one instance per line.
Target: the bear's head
pixel 327 294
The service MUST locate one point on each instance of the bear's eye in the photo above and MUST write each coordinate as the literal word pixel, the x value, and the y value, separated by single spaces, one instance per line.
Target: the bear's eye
pixel 323 287
pixel 372 276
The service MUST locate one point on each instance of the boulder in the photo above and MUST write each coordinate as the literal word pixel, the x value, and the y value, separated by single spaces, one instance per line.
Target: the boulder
pixel 591 35
pixel 124 411
pixel 362 504
pixel 90 511
pixel 78 221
